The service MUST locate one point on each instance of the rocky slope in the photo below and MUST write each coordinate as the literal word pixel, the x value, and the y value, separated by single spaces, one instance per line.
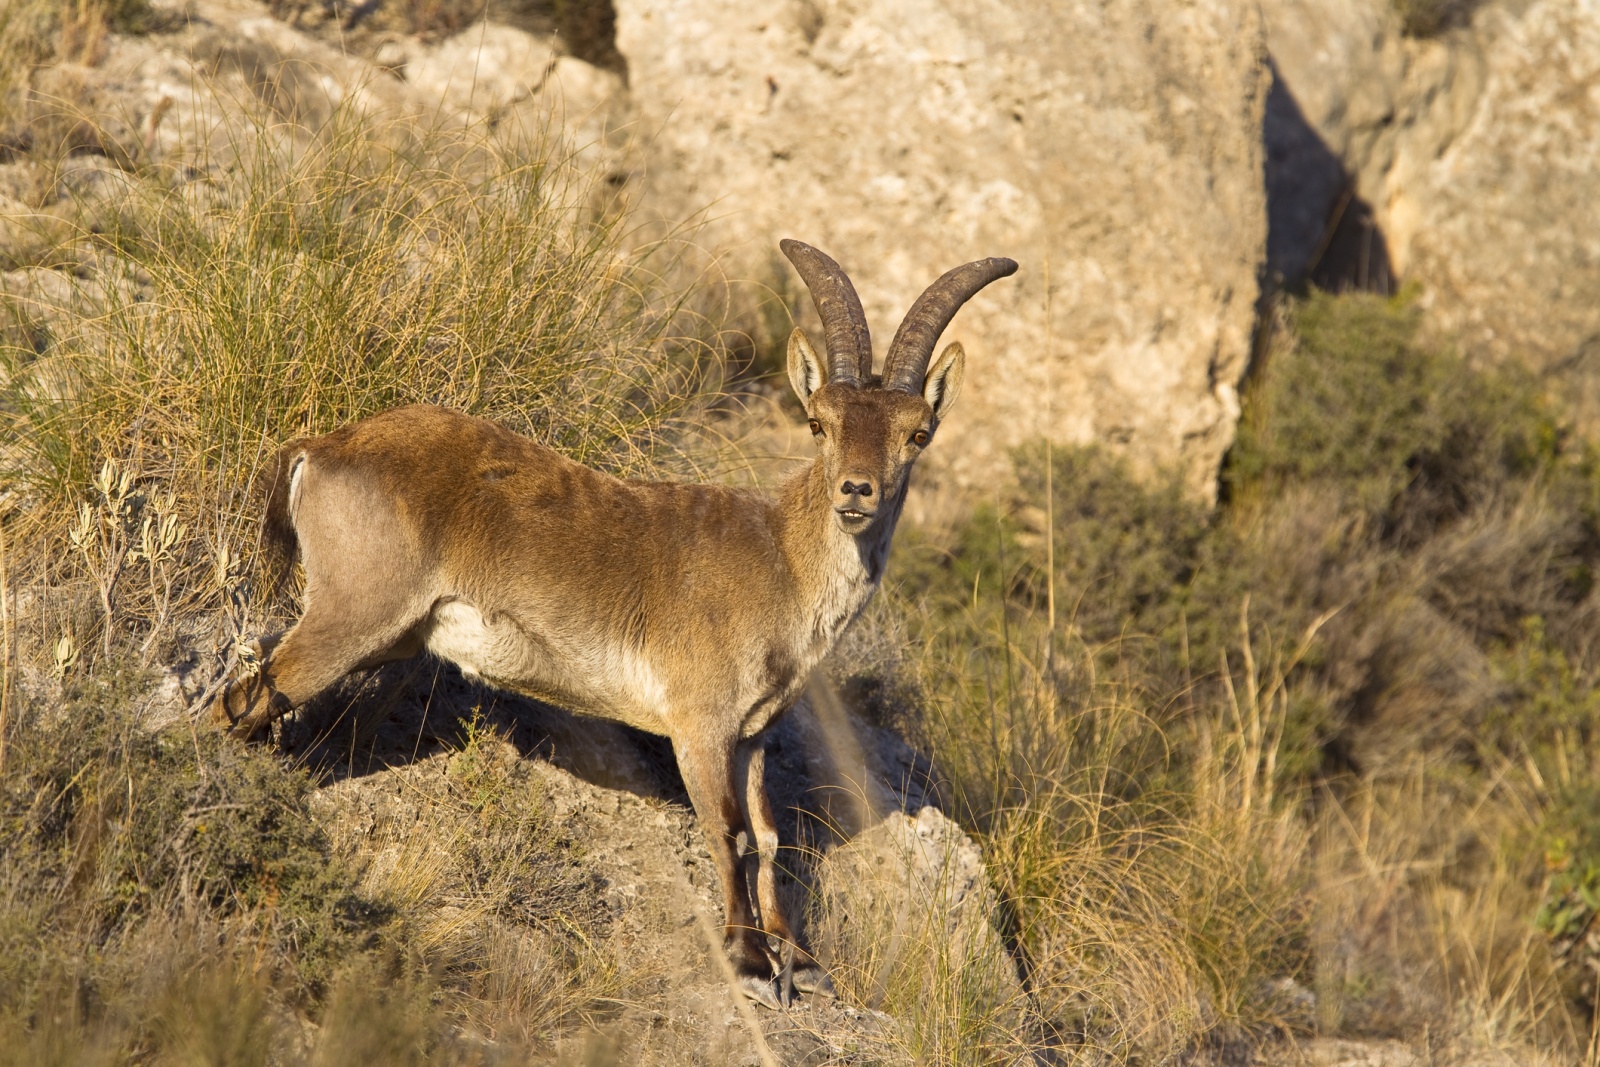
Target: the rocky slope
pixel 902 138
pixel 888 882
pixel 905 136
pixel 1120 151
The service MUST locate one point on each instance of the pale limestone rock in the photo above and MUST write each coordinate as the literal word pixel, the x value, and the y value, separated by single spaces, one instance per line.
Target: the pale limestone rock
pixel 1507 238
pixel 908 901
pixel 1120 144
pixel 577 94
pixel 169 97
pixel 165 97
pixel 1334 1052
pixel 486 69
pixel 44 294
pixel 521 84
pixel 1479 151
pixel 28 235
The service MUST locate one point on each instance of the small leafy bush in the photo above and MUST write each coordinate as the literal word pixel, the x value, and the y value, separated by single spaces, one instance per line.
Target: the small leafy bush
pixel 1429 18
pixel 107 827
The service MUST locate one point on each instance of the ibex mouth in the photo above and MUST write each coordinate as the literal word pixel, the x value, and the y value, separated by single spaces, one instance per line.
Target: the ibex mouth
pixel 854 520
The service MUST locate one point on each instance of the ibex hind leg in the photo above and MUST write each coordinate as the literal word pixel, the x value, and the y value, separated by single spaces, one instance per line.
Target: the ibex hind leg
pixel 799 968
pixel 324 646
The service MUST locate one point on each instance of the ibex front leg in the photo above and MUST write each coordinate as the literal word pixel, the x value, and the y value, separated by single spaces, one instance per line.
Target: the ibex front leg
pixel 711 776
pixel 799 966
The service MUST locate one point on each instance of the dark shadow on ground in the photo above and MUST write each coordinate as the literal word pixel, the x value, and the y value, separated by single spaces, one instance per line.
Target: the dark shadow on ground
pixel 828 775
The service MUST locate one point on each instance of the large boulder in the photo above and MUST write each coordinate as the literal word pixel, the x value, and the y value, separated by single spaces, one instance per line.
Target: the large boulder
pixel 904 907
pixel 1115 147
pixel 1507 216
pixel 1478 150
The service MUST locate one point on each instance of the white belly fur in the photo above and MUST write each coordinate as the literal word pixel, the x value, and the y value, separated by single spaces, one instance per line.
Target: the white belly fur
pixel 458 632
pixel 610 681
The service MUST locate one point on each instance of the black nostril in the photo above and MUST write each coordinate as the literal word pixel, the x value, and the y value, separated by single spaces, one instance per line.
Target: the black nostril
pixel 848 488
pixel 865 488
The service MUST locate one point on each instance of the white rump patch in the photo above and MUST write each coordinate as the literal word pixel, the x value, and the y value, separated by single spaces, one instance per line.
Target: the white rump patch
pixel 296 472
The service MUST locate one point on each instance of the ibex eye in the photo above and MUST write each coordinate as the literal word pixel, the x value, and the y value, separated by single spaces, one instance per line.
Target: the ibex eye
pixel 920 437
pixel 816 428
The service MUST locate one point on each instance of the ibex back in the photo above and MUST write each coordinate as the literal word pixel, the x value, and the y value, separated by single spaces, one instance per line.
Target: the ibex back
pixel 693 611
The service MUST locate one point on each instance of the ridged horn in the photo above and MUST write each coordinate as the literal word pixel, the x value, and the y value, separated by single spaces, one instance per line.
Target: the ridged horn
pixel 912 348
pixel 844 324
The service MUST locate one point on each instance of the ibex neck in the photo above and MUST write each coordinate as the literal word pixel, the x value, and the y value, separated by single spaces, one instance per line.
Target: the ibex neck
pixel 836 573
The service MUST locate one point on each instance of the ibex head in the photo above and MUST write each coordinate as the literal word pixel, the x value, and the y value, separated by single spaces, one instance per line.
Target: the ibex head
pixel 872 429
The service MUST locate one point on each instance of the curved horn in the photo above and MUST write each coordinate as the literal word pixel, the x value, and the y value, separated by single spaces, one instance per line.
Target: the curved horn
pixel 844 324
pixel 913 343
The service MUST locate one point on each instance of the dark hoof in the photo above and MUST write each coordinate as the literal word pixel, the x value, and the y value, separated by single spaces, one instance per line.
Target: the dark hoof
pixel 251 722
pixel 813 979
pixel 249 733
pixel 763 991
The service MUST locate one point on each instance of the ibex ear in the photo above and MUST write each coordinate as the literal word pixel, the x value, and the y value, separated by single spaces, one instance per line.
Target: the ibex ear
pixel 943 382
pixel 805 369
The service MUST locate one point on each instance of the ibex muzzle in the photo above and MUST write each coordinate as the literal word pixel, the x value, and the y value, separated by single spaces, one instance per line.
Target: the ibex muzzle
pixel 693 611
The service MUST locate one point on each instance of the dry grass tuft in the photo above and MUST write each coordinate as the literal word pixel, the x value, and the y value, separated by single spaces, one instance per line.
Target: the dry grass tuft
pixel 305 288
pixel 174 896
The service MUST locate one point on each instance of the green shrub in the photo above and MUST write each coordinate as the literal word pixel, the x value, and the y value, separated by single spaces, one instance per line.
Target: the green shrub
pixel 107 826
pixel 1350 400
pixel 1429 18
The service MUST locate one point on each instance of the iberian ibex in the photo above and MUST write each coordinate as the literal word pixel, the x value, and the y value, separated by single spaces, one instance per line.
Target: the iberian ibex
pixel 693 611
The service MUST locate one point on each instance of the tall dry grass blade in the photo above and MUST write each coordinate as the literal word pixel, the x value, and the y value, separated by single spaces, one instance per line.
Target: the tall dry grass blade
pixel 1049 470
pixel 846 759
pixel 1591 1054
pixel 6 652
pixel 741 1003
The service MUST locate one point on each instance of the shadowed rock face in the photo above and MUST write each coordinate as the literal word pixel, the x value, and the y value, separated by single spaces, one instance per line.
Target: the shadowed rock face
pixel 1118 144
pixel 1320 231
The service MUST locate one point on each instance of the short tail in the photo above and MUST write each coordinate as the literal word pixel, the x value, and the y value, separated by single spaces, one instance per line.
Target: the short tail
pixel 279 542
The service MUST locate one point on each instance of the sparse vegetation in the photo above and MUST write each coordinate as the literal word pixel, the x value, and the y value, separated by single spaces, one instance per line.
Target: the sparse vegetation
pixel 1335 734
pixel 586 28
pixel 305 287
pixel 167 897
pixel 170 897
pixel 1320 761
